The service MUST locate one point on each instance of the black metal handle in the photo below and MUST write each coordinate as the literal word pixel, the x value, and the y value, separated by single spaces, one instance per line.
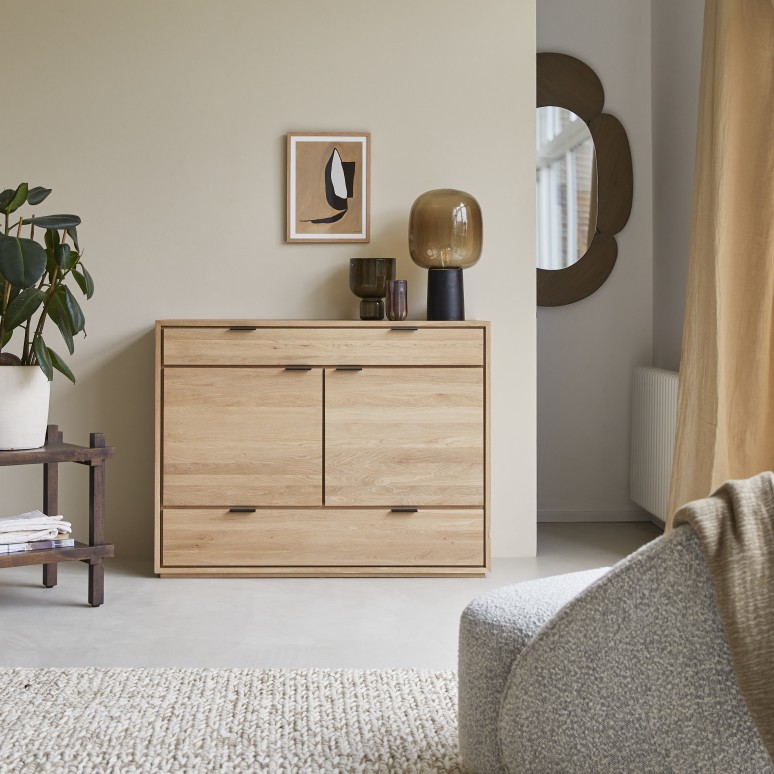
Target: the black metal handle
pixel 241 509
pixel 405 328
pixel 243 328
pixel 298 368
pixel 349 368
pixel 404 510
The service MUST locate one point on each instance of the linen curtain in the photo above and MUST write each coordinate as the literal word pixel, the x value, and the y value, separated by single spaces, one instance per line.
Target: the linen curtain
pixel 725 421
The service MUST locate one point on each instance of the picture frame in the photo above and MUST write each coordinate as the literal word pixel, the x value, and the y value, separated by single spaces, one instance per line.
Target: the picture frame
pixel 328 187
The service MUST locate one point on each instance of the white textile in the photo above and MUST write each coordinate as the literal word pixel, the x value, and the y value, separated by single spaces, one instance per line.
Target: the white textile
pixel 31 526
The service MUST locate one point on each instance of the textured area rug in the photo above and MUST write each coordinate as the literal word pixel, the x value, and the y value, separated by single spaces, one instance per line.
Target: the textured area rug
pixel 227 720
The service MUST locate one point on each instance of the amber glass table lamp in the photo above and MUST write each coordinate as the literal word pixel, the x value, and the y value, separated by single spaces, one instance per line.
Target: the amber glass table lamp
pixel 445 237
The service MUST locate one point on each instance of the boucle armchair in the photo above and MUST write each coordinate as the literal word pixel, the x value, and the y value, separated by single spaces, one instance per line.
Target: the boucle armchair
pixel 620 670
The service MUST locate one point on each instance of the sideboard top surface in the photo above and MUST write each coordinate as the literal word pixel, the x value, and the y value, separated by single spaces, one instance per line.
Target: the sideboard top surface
pixel 325 323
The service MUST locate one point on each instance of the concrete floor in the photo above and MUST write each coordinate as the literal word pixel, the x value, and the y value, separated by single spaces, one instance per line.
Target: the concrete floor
pixel 293 623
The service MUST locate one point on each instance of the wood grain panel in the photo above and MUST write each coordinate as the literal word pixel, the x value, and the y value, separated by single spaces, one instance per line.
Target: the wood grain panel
pixel 567 82
pixel 319 537
pixel 325 571
pixel 404 437
pixel 614 173
pixel 582 278
pixel 242 436
pixel 158 407
pixel 355 345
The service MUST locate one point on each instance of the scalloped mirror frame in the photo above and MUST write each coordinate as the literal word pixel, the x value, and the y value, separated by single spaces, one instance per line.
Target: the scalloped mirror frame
pixel 566 82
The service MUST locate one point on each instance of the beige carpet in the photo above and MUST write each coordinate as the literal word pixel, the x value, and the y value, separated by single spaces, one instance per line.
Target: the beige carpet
pixel 227 720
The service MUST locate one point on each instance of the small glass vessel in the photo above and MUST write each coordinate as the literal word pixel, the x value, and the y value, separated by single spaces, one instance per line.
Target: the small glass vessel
pixel 397 300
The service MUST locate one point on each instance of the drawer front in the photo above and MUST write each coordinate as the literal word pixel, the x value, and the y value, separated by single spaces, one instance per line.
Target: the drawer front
pixel 324 346
pixel 241 436
pixel 322 537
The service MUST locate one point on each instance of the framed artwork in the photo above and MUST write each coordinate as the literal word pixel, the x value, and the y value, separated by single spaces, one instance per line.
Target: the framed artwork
pixel 329 180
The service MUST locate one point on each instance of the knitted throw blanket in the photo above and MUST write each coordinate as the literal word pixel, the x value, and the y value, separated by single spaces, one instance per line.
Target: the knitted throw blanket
pixel 736 529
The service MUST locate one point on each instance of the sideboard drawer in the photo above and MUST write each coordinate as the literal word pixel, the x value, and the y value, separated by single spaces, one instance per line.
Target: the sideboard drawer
pixel 215 537
pixel 401 344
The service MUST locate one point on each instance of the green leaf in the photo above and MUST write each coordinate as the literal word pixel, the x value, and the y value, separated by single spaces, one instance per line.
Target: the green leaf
pixel 54 221
pixel 74 311
pixel 84 280
pixel 64 257
pixel 51 266
pixel 73 234
pixel 23 307
pixel 19 197
pixel 52 238
pixel 22 261
pixel 60 365
pixel 58 313
pixel 44 359
pixel 52 242
pixel 6 338
pixel 67 336
pixel 6 197
pixel 37 194
pixel 64 306
pixel 14 292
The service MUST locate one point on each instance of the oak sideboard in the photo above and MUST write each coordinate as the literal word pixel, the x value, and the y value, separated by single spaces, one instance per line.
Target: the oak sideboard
pixel 322 448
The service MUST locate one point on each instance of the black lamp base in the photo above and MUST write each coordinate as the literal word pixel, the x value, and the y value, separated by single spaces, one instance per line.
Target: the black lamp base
pixel 445 295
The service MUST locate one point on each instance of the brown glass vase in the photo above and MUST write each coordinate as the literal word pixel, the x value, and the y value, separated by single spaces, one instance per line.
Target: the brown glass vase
pixel 368 278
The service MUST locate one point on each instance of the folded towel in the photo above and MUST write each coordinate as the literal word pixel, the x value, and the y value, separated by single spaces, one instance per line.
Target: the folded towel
pixel 9 538
pixel 10 526
pixel 34 525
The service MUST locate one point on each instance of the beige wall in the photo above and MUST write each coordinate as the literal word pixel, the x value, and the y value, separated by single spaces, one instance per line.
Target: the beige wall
pixel 586 351
pixel 163 125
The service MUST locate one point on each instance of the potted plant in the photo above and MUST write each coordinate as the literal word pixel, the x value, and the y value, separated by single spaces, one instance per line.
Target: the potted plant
pixel 33 290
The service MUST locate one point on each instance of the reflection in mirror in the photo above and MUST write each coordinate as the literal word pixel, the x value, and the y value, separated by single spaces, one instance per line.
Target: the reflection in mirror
pixel 566 188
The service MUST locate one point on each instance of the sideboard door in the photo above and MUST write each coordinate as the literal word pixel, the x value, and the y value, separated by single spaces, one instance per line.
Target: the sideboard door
pixel 241 437
pixel 404 437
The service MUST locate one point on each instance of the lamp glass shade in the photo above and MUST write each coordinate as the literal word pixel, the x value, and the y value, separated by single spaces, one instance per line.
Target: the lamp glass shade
pixel 445 230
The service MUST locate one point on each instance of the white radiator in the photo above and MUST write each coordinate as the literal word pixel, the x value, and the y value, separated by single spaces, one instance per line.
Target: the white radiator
pixel 654 416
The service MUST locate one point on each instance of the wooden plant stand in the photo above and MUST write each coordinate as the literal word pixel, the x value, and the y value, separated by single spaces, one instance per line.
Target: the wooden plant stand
pixel 93 552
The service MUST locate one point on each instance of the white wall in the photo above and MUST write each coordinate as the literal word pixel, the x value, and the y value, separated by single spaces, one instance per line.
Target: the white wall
pixel 163 125
pixel 677 37
pixel 587 350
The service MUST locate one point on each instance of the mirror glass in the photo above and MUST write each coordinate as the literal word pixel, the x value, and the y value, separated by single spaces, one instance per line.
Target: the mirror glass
pixel 566 188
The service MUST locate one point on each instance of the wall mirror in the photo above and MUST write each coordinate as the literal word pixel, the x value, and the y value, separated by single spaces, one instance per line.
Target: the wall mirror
pixel 583 181
pixel 566 186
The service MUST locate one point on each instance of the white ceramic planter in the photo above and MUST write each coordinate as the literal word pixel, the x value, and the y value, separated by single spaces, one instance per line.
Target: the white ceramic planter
pixel 24 397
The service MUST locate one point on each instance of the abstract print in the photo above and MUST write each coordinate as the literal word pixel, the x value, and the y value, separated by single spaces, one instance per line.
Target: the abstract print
pixel 328 187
